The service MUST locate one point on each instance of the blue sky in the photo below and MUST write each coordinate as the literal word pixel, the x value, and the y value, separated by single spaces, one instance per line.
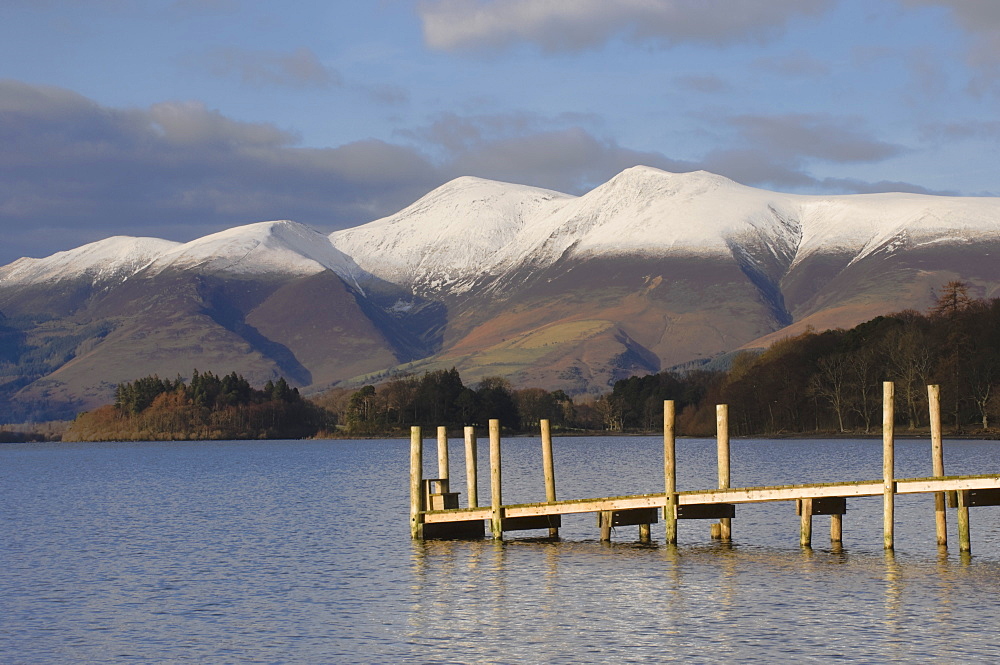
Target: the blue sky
pixel 177 118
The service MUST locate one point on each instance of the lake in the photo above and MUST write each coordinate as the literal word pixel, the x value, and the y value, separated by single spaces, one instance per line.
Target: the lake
pixel 299 552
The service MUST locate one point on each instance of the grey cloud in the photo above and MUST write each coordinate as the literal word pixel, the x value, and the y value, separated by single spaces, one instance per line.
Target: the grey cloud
pixel 300 68
pixel 572 25
pixel 981 19
pixel 569 160
pixel 72 170
pixel 813 135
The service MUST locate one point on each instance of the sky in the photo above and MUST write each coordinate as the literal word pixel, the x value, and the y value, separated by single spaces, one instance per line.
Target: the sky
pixel 179 118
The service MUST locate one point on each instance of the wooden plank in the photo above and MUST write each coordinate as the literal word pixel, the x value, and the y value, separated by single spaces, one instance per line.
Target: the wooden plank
pixel 735 495
pixel 781 493
pixel 920 485
pixel 460 515
pixel 460 529
pixel 635 516
pixel 832 505
pixel 984 497
pixel 537 522
pixel 707 511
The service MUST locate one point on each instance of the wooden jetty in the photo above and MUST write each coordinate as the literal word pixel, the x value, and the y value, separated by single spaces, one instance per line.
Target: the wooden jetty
pixel 435 510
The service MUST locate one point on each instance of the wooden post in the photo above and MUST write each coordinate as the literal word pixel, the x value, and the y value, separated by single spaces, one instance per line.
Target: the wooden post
pixel 471 467
pixel 722 436
pixel 548 469
pixel 937 462
pixel 644 533
pixel 806 523
pixel 443 471
pixel 670 471
pixel 836 529
pixel 416 483
pixel 496 499
pixel 888 465
pixel 604 517
pixel 964 537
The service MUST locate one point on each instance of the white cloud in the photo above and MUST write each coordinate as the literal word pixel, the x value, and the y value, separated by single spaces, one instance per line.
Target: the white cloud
pixel 571 25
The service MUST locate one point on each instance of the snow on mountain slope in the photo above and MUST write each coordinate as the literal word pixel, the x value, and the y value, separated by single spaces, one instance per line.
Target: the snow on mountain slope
pixel 862 224
pixel 453 234
pixel 647 211
pixel 283 247
pixel 471 228
pixel 113 258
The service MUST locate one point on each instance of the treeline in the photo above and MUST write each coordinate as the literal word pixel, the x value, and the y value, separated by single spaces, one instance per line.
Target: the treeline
pixel 209 407
pixel 441 398
pixel 832 381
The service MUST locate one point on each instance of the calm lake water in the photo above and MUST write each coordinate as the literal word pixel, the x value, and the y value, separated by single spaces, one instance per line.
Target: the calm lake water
pixel 299 552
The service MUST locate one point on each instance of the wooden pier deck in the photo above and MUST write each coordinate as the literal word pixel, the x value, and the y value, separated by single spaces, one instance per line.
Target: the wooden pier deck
pixel 434 511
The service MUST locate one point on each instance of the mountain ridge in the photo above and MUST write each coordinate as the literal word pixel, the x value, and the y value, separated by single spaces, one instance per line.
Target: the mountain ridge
pixel 648 270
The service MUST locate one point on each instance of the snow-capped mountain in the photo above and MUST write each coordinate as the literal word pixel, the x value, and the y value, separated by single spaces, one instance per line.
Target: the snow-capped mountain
pixel 450 237
pixel 111 259
pixel 645 271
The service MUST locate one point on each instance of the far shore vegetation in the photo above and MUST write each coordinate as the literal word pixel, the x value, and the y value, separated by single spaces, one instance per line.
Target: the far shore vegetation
pixel 813 384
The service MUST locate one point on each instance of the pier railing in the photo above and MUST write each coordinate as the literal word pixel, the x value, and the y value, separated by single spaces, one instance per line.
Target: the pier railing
pixel 435 510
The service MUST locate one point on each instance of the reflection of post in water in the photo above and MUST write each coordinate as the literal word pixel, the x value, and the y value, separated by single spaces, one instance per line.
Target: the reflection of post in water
pixel 893 593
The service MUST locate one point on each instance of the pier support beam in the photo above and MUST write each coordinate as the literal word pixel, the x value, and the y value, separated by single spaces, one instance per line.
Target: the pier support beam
pixel 548 468
pixel 471 467
pixel 722 438
pixel 836 529
pixel 937 462
pixel 964 537
pixel 888 465
pixel 670 471
pixel 806 523
pixel 416 483
pixel 496 498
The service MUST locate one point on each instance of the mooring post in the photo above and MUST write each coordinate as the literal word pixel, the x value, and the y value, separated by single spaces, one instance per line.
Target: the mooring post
pixel 888 464
pixel 496 499
pixel 443 470
pixel 722 436
pixel 806 523
pixel 836 529
pixel 670 471
pixel 604 520
pixel 937 462
pixel 964 537
pixel 416 483
pixel 471 467
pixel 548 469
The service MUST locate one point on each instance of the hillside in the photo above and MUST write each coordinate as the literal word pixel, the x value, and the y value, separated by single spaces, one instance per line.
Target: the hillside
pixel 646 271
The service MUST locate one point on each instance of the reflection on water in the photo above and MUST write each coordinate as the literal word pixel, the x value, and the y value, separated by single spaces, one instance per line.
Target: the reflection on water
pixel 300 552
pixel 548 602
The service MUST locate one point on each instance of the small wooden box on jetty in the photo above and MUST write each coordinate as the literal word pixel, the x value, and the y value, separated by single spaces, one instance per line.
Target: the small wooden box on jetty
pixel 435 511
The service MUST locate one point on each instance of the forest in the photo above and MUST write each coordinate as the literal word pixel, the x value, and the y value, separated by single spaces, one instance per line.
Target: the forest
pixel 209 407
